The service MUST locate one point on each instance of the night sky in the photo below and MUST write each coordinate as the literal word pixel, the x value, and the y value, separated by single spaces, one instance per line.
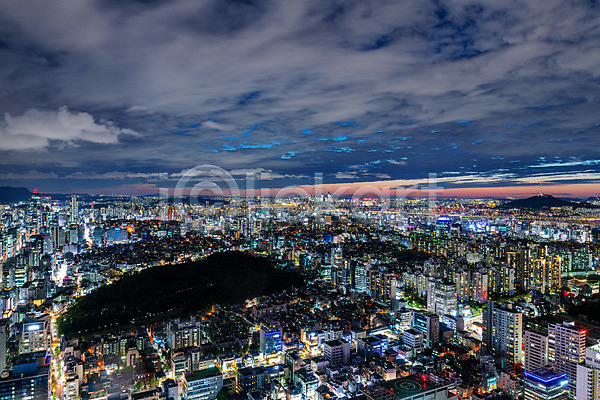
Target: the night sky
pixel 121 96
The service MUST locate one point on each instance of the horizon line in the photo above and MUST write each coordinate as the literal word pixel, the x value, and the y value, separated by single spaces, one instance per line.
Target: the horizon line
pixel 364 189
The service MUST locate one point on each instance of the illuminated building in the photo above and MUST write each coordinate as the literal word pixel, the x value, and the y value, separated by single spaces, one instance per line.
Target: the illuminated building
pixel 35 335
pixel 270 341
pixel 509 383
pixel 566 349
pixel 404 319
pixel 445 299
pixel 180 364
pixel 552 274
pixel 545 384
pixel 502 279
pixel 35 212
pixel 4 332
pixel 337 352
pixel 411 388
pixel 307 382
pixel 342 277
pixel 382 286
pixel 463 285
pixel 251 379
pixel 429 324
pixel 455 323
pixel 514 259
pixel 202 385
pixel 71 387
pixel 502 331
pixel 29 378
pixel 421 284
pixel 431 283
pixel 74 214
pixel 337 260
pixel 21 272
pixel 184 333
pixel 371 345
pixel 546 272
pixel 479 286
pixel 588 375
pixel 581 260
pixel 595 235
pixel 535 348
pixel 413 339
pixel 443 223
pixel 360 271
pixel 33 387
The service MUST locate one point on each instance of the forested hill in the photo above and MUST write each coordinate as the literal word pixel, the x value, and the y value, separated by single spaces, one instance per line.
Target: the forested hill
pixel 543 201
pixel 224 278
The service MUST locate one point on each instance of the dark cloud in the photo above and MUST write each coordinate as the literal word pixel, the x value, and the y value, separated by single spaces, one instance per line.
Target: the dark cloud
pixel 480 88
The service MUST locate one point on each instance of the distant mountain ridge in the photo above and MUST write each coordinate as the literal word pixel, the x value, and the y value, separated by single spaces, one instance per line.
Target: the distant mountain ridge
pixel 544 201
pixel 9 194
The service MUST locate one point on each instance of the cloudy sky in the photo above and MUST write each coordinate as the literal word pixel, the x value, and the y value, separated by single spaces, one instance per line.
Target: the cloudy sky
pixel 122 96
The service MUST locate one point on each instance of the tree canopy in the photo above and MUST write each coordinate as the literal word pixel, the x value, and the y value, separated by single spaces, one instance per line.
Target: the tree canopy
pixel 223 278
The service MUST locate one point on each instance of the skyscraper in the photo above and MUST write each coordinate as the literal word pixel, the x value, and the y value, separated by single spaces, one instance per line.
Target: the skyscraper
pixel 35 211
pixel 74 210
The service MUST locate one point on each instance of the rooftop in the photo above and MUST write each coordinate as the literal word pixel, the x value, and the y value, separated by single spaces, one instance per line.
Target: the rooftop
pixel 202 374
pixel 401 388
pixel 546 375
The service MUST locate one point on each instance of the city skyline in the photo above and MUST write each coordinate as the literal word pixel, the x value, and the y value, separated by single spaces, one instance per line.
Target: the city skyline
pixel 114 97
pixel 299 200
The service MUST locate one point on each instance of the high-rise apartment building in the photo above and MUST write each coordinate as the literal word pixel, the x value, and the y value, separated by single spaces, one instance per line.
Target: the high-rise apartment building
pixel 588 375
pixel 431 283
pixel 566 349
pixel 184 333
pixel 446 302
pixel 503 331
pixel 502 279
pixel 479 286
pixel 463 285
pixel 535 349
pixel 382 286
